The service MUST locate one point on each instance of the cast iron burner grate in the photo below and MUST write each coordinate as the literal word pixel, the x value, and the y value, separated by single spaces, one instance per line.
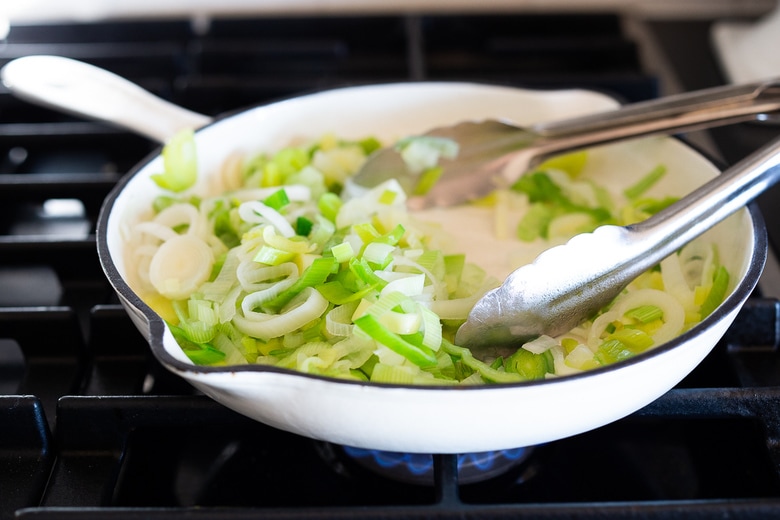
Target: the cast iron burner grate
pixel 91 426
pixel 693 449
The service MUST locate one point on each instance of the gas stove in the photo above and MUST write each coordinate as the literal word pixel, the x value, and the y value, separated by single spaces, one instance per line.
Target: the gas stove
pixel 94 427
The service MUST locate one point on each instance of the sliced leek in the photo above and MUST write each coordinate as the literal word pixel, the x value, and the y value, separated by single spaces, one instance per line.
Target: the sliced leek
pixel 286 271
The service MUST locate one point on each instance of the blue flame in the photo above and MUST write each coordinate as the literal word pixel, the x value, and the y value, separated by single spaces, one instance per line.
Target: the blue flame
pixel 420 464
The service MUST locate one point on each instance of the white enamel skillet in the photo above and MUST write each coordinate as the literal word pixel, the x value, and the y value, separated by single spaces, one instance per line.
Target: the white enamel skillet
pixel 412 418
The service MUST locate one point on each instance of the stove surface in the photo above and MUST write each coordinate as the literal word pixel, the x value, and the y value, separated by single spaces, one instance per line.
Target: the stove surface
pixel 93 427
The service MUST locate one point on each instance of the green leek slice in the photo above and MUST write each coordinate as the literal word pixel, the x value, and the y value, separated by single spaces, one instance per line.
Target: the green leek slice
pixel 180 166
pixel 529 365
pixel 314 275
pixel 419 355
pixel 717 293
pixel 645 183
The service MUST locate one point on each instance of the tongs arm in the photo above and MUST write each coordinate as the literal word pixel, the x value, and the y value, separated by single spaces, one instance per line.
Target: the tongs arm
pixel 682 113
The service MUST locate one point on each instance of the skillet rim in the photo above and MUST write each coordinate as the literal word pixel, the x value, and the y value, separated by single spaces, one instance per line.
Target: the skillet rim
pixel 156 324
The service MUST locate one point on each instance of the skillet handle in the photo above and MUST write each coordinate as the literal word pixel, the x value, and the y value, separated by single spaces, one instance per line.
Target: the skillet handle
pixel 85 90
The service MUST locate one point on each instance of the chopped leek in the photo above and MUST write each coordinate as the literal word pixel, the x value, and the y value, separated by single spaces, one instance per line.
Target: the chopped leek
pixel 535 223
pixel 717 292
pixel 336 293
pixel 530 365
pixel 180 265
pixel 418 354
pixel 645 183
pixel 201 354
pixel 635 340
pixel 314 275
pixel 271 256
pixel 277 200
pixel 422 153
pixel 303 226
pixel 561 206
pixel 179 163
pixel 428 178
pixel 329 205
pixel 645 313
pixel 572 163
pixel 286 271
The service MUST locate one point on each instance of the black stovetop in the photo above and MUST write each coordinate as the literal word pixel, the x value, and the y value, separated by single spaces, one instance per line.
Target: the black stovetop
pixel 92 427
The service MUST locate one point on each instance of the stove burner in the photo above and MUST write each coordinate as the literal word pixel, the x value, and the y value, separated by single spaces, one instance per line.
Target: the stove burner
pixel 417 468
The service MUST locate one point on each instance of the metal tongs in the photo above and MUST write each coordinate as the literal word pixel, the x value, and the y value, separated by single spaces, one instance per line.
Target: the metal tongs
pixel 569 283
pixel 494 154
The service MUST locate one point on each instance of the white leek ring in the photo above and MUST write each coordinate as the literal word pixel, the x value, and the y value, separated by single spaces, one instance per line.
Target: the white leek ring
pixel 312 305
pixel 156 229
pixel 181 214
pixel 600 325
pixel 180 266
pixel 255 212
pixel 673 312
pixel 284 243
